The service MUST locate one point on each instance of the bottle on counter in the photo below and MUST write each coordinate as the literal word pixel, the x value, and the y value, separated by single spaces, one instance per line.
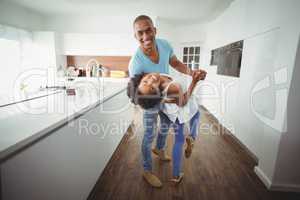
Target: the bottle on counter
pixel 80 69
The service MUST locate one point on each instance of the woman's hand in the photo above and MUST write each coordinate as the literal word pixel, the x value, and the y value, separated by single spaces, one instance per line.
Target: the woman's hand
pixel 202 74
pixel 199 73
pixel 196 75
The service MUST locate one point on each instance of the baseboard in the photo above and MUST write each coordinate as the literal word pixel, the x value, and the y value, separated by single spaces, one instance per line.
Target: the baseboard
pixel 275 186
pixel 1 184
pixel 285 187
pixel 261 175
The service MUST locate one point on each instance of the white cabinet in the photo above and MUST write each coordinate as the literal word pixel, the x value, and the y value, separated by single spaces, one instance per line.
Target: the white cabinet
pixel 67 163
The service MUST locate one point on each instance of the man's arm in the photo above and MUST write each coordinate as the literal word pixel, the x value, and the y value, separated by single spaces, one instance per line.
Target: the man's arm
pixel 179 66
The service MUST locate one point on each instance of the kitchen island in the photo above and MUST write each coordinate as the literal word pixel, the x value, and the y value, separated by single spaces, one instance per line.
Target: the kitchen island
pixel 56 146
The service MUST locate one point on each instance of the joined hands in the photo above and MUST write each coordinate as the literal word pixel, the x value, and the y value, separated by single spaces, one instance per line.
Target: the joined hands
pixel 198 75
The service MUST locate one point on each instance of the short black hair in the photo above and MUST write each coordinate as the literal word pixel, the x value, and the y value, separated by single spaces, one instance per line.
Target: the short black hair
pixel 142 17
pixel 145 101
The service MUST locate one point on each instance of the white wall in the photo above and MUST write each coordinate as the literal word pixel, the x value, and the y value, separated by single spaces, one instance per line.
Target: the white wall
pixel 25 55
pixel 61 59
pixel 34 50
pixel 40 70
pixel 180 35
pixel 90 23
pixel 168 31
pixel 287 164
pixel 270 32
pixel 94 34
pixel 98 44
pixel 9 50
pixel 190 35
pixel 17 16
pixel 45 49
pixel 113 35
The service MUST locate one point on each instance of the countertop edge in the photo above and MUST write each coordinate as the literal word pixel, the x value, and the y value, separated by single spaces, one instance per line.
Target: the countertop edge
pixel 24 144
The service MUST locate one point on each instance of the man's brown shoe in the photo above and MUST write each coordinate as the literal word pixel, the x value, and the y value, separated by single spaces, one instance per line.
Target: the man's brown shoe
pixel 161 154
pixel 189 148
pixel 152 179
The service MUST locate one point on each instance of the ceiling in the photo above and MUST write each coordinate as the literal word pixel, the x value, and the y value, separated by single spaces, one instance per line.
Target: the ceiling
pixel 184 11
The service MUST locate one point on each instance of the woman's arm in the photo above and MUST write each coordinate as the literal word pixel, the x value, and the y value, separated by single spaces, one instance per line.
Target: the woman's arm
pixel 188 93
pixel 169 100
pixel 176 95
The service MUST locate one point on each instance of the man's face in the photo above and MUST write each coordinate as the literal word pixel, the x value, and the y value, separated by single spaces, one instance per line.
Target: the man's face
pixel 145 32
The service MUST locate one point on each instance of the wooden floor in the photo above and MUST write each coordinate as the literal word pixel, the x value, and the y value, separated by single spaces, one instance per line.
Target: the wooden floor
pixel 218 169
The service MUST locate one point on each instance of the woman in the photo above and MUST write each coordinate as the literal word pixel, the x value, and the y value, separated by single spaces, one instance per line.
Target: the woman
pixel 179 104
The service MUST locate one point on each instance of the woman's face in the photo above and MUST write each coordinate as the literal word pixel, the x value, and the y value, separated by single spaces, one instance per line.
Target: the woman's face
pixel 150 84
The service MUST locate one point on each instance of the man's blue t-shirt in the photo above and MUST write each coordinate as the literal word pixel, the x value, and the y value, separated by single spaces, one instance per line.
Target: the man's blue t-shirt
pixel 140 63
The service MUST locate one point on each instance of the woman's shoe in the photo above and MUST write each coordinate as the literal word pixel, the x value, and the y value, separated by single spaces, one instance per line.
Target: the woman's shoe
pixel 178 179
pixel 189 148
pixel 161 154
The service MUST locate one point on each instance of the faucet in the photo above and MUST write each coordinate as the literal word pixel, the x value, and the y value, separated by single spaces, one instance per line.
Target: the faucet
pixel 102 69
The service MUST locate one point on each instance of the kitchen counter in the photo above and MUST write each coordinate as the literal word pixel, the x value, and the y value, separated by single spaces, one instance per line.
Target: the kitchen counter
pixel 24 123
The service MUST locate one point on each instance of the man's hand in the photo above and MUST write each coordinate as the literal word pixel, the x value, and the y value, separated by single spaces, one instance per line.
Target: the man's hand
pixel 202 73
pixel 196 75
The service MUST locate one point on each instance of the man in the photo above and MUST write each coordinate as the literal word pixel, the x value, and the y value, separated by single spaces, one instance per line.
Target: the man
pixel 153 55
